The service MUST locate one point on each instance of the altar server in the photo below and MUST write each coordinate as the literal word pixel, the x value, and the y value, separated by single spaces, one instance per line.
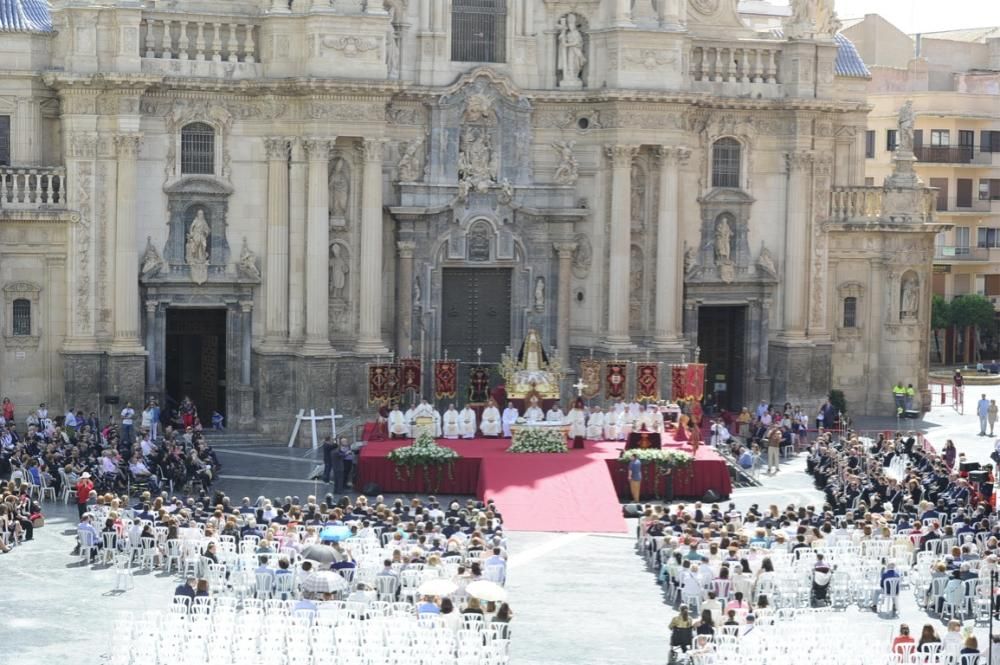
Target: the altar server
pixel 510 416
pixel 491 420
pixel 555 414
pixel 595 425
pixel 534 413
pixel 451 420
pixel 467 422
pixel 398 428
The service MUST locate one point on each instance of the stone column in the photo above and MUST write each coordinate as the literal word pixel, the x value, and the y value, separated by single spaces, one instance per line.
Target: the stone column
pixel 126 256
pixel 796 242
pixel 27 133
pixel 404 298
pixel 297 244
pixel 151 352
pixel 276 267
pixel 669 266
pixel 620 242
pixel 246 329
pixel 317 289
pixel 565 252
pixel 623 13
pixel 370 305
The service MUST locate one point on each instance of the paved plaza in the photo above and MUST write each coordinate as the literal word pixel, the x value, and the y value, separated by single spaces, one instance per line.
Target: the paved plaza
pixel 577 598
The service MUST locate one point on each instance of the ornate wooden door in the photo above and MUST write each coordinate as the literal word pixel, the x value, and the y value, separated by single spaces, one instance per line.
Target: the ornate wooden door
pixel 722 338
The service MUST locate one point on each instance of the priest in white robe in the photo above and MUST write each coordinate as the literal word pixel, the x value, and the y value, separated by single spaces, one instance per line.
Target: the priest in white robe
pixel 467 422
pixel 555 414
pixel 646 421
pixel 510 416
pixel 398 428
pixel 624 425
pixel 577 419
pixel 422 412
pixel 408 418
pixel 611 425
pixel 490 426
pixel 634 411
pixel 450 420
pixel 595 425
pixel 534 414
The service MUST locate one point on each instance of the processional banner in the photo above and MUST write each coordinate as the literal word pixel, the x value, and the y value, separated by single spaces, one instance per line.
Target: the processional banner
pixel 393 385
pixel 590 374
pixel 695 381
pixel 615 375
pixel 411 379
pixel 445 374
pixel 678 382
pixel 647 383
pixel 479 384
pixel 380 385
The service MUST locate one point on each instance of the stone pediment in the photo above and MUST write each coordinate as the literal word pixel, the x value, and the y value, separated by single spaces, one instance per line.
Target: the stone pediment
pixel 481 78
pixel 726 195
pixel 199 185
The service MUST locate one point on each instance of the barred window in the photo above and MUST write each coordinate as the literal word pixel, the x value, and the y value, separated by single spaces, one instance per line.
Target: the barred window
pixel 4 140
pixel 726 163
pixel 851 312
pixel 479 31
pixel 22 317
pixel 198 148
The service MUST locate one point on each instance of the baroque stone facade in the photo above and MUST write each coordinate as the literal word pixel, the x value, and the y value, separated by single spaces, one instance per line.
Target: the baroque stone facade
pixel 328 176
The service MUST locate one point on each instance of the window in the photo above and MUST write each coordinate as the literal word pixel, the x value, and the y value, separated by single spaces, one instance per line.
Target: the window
pixel 942 192
pixel 961 239
pixel 991 285
pixel 890 140
pixel 479 31
pixel 4 140
pixel 21 318
pixel 989 141
pixel 988 238
pixel 963 193
pixel 989 188
pixel 940 137
pixel 870 143
pixel 726 163
pixel 851 312
pixel 198 148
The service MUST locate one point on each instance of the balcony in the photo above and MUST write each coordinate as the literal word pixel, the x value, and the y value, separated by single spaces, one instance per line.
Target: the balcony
pixel 856 204
pixel 215 46
pixel 953 154
pixel 951 253
pixel 735 68
pixel 32 187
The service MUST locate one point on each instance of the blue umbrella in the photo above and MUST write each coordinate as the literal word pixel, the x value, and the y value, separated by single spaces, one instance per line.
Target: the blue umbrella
pixel 335 533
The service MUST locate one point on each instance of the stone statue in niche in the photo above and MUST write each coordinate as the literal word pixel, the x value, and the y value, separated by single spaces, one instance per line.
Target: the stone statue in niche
pixel 339 268
pixel 506 193
pixel 909 299
pixel 582 256
pixel 570 58
pixel 392 52
pixel 411 162
pixel 635 287
pixel 723 240
pixel 567 171
pixel 247 266
pixel 477 162
pixel 478 243
pixel 196 247
pixel 812 18
pixel 765 263
pixel 152 263
pixel 540 294
pixel 340 192
pixel 638 199
pixel 690 260
pixel 417 304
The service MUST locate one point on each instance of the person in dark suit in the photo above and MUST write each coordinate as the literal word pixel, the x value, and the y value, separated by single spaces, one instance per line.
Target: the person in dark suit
pixel 329 449
pixel 186 589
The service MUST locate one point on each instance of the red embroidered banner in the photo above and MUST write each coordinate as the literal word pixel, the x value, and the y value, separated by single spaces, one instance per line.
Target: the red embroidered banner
pixel 590 374
pixel 380 385
pixel 392 383
pixel 479 384
pixel 445 375
pixel 615 375
pixel 647 384
pixel 678 376
pixel 411 379
pixel 695 381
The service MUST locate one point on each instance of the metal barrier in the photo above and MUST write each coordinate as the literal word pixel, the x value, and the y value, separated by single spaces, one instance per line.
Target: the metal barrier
pixel 943 393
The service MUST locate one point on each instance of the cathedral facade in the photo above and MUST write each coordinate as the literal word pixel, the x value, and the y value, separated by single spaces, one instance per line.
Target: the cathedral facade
pixel 248 202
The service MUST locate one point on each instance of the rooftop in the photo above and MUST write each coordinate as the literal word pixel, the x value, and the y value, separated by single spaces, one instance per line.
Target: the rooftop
pixel 25 16
pixel 970 35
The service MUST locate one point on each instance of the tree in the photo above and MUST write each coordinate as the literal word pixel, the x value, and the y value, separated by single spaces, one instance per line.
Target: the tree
pixel 940 319
pixel 971 311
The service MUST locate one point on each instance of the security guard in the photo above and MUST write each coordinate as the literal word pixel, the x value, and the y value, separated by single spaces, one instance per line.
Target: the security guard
pixel 899 395
pixel 910 396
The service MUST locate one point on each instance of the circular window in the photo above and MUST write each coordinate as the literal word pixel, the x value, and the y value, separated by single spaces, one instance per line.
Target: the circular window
pixel 579 296
pixel 583 123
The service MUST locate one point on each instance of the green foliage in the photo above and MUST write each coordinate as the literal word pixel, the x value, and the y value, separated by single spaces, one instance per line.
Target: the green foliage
pixel 838 400
pixel 940 313
pixel 971 310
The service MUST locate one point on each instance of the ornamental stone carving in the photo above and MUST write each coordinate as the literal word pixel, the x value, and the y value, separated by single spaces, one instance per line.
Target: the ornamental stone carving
pixel 247 267
pixel 765 263
pixel 810 19
pixel 152 262
pixel 570 58
pixel 621 156
pixel 277 148
pixel 351 46
pixel 582 256
pixel 567 171
pixel 411 161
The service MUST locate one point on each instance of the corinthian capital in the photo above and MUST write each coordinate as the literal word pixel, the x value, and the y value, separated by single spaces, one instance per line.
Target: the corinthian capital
pixel 799 160
pixel 621 156
pixel 371 149
pixel 406 248
pixel 127 145
pixel 318 148
pixel 276 147
pixel 564 249
pixel 677 154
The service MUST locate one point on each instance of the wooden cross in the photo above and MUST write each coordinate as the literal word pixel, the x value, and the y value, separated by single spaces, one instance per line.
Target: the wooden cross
pixel 333 422
pixel 479 355
pixel 580 386
pixel 591 353
pixel 446 354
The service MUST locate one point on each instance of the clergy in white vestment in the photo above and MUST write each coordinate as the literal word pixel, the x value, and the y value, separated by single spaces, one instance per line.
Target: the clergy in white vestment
pixel 450 419
pixel 437 423
pixel 408 418
pixel 577 421
pixel 398 428
pixel 467 422
pixel 646 421
pixel 619 407
pixel 624 425
pixel 634 411
pixel 555 415
pixel 611 425
pixel 491 420
pixel 510 416
pixel 595 425
pixel 425 410
pixel 534 413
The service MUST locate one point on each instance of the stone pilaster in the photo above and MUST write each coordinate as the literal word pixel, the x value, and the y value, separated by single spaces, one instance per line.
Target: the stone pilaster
pixel 796 243
pixel 404 298
pixel 623 13
pixel 621 157
pixel 276 297
pixel 151 350
pixel 370 299
pixel 564 250
pixel 317 286
pixel 297 175
pixel 669 266
pixel 126 270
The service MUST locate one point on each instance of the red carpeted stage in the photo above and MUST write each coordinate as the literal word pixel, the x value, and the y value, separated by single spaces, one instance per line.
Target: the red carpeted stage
pixel 574 491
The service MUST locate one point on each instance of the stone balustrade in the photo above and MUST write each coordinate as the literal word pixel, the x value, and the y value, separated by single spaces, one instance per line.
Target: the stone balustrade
pixel 32 187
pixel 214 39
pixel 849 204
pixel 753 62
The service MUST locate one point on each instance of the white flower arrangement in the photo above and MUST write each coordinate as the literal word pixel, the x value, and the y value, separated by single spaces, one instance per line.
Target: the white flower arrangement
pixel 538 440
pixel 424 453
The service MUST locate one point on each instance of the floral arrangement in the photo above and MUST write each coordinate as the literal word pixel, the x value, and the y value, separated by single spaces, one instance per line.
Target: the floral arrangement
pixel 425 454
pixel 538 440
pixel 664 461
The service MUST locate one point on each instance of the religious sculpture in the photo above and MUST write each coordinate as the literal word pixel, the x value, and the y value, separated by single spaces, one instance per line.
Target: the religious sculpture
pixel 570 57
pixel 477 163
pixel 765 263
pixel 812 18
pixel 416 293
pixel 411 166
pixel 391 52
pixel 248 262
pixel 339 268
pixel 197 239
pixel 637 197
pixel 690 260
pixel 723 237
pixel 567 171
pixel 531 373
pixel 506 193
pixel 909 307
pixel 152 263
pixel 340 191
pixel 904 139
pixel 540 294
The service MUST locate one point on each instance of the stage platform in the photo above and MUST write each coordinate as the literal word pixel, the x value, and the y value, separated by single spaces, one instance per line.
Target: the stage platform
pixel 574 491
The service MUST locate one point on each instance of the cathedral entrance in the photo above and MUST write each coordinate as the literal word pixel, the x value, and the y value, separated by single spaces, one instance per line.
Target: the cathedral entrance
pixel 722 338
pixel 475 314
pixel 195 362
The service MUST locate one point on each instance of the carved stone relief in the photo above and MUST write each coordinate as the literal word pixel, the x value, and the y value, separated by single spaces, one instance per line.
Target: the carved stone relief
pixel 638 197
pixel 582 256
pixel 340 192
pixel 635 278
pixel 567 171
pixel 340 269
pixel 411 160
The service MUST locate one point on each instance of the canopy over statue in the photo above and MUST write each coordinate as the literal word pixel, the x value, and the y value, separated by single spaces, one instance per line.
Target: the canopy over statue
pixel 531 372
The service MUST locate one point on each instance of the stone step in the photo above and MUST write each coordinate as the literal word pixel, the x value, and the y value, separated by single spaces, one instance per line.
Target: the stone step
pixel 240 439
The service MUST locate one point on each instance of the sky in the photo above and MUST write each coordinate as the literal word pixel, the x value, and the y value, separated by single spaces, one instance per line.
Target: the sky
pixel 924 15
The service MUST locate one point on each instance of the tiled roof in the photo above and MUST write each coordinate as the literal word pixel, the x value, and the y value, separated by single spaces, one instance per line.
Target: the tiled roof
pixel 25 16
pixel 849 62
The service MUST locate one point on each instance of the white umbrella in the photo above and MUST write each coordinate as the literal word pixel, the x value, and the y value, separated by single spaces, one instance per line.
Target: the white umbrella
pixel 438 587
pixel 486 590
pixel 325 581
